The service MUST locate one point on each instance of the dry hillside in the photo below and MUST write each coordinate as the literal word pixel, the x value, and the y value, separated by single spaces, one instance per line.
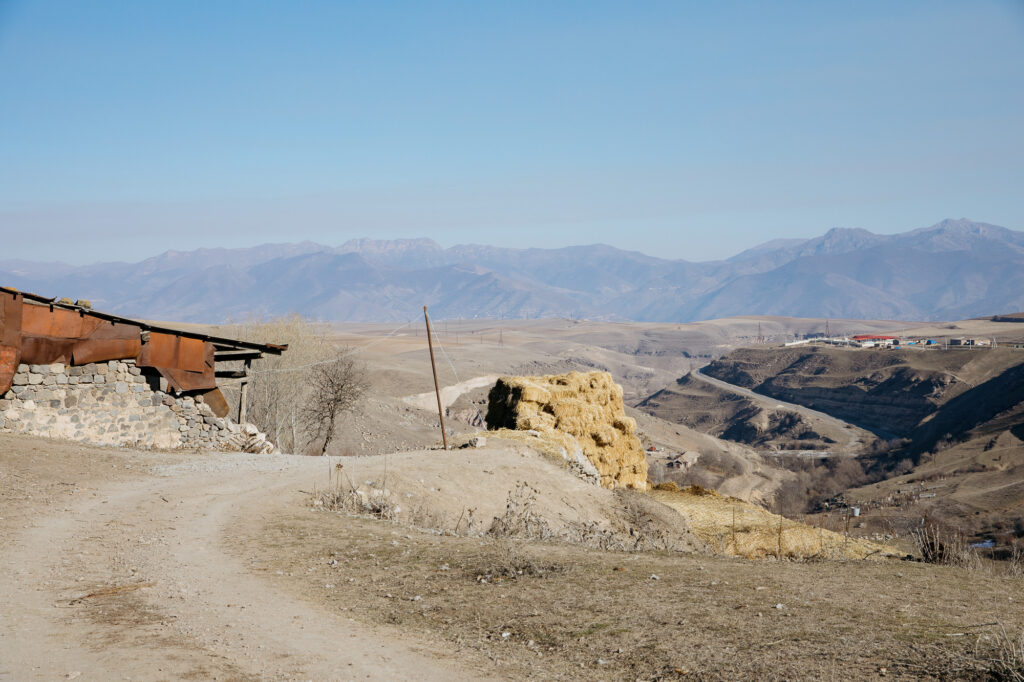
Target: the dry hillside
pixel 960 413
pixel 731 416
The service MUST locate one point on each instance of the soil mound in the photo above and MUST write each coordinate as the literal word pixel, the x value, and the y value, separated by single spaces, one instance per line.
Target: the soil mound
pixel 586 408
pixel 731 526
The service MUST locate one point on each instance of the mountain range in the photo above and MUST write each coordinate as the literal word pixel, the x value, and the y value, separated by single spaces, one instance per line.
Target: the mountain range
pixel 952 270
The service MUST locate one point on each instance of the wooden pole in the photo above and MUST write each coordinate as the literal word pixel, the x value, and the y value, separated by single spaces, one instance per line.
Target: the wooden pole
pixel 242 407
pixel 437 388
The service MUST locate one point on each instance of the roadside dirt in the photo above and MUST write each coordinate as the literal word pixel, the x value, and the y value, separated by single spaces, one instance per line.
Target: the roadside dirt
pixel 145 565
pixel 125 574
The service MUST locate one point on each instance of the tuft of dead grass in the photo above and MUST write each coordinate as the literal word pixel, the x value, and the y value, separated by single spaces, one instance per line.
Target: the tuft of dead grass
pixel 520 520
pixel 1006 661
pixel 939 545
pixel 344 496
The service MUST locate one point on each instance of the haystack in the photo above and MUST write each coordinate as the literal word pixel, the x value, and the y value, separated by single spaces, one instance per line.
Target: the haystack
pixel 585 407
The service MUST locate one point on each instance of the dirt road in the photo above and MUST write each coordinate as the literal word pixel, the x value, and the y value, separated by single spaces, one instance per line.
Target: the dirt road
pixel 855 434
pixel 138 581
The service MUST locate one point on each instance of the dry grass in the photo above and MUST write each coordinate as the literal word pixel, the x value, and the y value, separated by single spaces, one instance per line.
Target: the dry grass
pixel 574 613
pixel 343 495
pixel 937 545
pixel 1006 662
pixel 737 528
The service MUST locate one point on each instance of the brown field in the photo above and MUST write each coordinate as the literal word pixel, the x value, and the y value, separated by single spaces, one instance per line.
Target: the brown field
pixel 157 565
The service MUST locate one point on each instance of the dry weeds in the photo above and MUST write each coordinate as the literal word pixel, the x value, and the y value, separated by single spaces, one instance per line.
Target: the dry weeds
pixel 558 611
pixel 737 528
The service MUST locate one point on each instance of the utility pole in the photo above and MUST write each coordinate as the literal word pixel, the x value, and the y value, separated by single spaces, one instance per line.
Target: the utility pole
pixel 437 389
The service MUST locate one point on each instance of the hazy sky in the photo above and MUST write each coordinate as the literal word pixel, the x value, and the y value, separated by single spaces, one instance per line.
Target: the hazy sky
pixel 679 129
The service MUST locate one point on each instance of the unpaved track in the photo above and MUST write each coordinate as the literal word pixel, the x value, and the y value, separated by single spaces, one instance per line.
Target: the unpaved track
pixel 210 615
pixel 854 434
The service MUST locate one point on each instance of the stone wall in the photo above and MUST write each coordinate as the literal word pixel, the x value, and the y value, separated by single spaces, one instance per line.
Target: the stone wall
pixel 117 403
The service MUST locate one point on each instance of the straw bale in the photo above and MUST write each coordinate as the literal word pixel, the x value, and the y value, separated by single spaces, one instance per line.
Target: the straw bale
pixel 585 407
pixel 732 526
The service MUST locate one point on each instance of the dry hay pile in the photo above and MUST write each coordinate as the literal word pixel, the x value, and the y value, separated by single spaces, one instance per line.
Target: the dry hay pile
pixel 576 411
pixel 731 526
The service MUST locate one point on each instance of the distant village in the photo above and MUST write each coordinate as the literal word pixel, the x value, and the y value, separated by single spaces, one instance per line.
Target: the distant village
pixel 892 342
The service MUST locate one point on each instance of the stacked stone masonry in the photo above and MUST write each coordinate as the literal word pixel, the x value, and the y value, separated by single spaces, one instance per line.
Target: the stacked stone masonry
pixel 117 403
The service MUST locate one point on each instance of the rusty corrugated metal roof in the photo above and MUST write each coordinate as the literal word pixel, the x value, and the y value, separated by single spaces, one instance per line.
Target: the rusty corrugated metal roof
pixel 39 330
pixel 227 343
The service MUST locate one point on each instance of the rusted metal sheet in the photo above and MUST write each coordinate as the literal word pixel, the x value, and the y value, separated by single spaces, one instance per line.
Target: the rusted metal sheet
pixel 58 323
pixel 74 337
pixel 187 364
pixel 49 335
pixel 222 343
pixel 167 350
pixel 39 330
pixel 10 338
pixel 217 402
pixel 182 380
pixel 8 366
pixel 10 320
pixel 110 341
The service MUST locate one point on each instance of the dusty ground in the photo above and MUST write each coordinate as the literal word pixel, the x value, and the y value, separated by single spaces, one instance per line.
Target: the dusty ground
pixel 643 358
pixel 120 564
pixel 115 565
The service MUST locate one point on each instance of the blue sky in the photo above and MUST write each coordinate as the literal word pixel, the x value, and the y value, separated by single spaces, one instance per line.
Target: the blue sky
pixel 685 130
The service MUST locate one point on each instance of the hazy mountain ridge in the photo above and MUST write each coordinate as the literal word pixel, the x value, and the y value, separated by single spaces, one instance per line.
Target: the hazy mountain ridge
pixel 955 269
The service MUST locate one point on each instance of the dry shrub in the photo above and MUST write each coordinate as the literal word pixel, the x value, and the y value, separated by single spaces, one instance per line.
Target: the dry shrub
pixel 279 383
pixel 334 388
pixel 695 475
pixel 667 485
pixel 508 559
pixel 996 655
pixel 1006 662
pixel 1015 563
pixel 724 464
pixel 939 545
pixel 815 482
pixel 519 519
pixel 343 496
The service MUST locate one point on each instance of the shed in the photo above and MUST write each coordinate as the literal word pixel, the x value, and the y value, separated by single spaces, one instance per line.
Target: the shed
pixel 35 330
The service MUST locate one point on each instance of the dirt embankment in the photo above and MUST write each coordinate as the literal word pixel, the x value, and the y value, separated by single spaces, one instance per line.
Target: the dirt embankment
pixel 713 410
pixel 886 391
pixel 960 411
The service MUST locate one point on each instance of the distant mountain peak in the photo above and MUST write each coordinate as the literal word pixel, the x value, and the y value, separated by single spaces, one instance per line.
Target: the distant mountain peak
pixel 954 269
pixel 389 246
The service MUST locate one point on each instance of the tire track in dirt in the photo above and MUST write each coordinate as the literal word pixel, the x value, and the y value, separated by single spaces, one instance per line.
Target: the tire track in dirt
pixel 210 615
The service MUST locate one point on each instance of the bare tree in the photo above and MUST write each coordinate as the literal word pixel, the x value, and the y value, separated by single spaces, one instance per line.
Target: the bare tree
pixel 334 389
pixel 278 384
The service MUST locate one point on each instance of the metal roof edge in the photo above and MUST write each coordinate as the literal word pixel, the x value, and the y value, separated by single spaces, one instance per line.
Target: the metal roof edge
pixel 272 348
